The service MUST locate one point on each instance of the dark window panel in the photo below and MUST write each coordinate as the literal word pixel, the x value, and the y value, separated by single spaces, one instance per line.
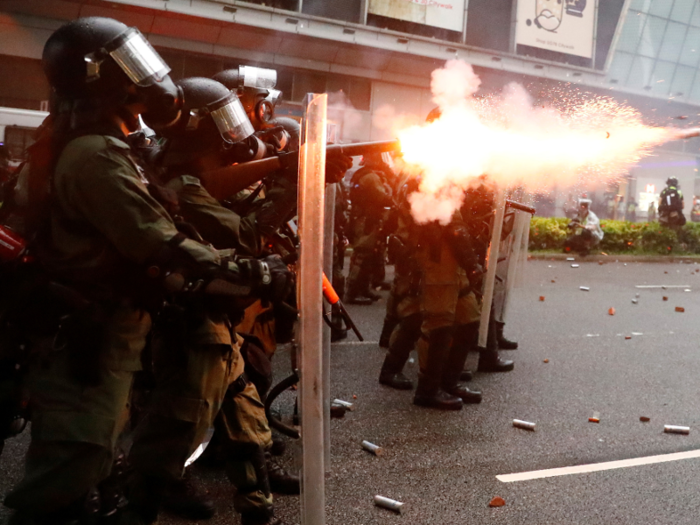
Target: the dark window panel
pixel 307 83
pixel 22 82
pixel 291 5
pixel 488 24
pixel 348 10
pixel 201 66
pixel 403 26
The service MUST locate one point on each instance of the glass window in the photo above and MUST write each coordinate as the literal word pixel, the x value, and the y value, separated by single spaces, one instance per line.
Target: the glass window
pixel 682 81
pixel 695 93
pixel 652 36
pixel 691 48
pixel 661 8
pixel 662 77
pixel 307 83
pixel 673 41
pixel 682 9
pixel 695 17
pixel 642 5
pixel 640 74
pixel 631 32
pixel 620 67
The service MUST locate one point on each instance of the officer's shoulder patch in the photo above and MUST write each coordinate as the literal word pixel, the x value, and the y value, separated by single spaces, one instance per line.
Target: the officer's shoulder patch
pixel 116 143
pixel 189 180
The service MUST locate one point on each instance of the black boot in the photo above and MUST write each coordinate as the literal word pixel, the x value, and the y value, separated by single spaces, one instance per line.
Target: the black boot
pixel 503 343
pixel 183 498
pixel 397 381
pixel 428 393
pixel 260 517
pixel 407 335
pixel 490 361
pixel 465 339
pixel 466 376
pixel 145 494
pixel 385 337
pixel 281 481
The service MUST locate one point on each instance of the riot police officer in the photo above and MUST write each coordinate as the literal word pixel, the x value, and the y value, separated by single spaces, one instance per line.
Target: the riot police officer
pixel 109 249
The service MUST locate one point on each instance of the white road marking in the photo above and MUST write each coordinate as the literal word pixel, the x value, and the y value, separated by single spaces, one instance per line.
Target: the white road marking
pixel 596 467
pixel 663 286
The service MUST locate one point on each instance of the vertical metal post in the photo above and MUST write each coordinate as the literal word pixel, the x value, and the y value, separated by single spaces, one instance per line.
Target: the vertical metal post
pixel 328 234
pixel 491 263
pixel 524 247
pixel 312 162
pixel 464 21
pixel 513 27
pixel 616 36
pixel 595 34
pixel 364 9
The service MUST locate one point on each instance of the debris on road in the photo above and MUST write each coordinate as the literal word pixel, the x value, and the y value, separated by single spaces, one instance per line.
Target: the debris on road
pixel 498 501
pixel 574 265
pixel 595 418
pixel 546 360
pixel 371 447
pixel 386 503
pixel 553 281
pixel 635 301
pixel 584 288
pixel 665 298
pixel 600 263
pixel 676 429
pixel 644 419
pixel 680 309
pixel 345 404
pixel 611 311
pixel 628 337
pixel 637 295
pixel 354 396
pixel 525 425
pixel 541 297
pixel 570 259
pixel 687 290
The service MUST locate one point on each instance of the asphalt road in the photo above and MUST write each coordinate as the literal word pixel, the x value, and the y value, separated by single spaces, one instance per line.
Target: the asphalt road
pixel 443 466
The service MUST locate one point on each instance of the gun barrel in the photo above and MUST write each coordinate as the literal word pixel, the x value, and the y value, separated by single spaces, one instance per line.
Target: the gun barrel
pixel 364 148
pixel 222 183
pixel 520 206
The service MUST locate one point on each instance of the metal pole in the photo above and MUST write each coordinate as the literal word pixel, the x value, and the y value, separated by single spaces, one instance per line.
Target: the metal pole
pixel 312 162
pixel 491 263
pixel 328 235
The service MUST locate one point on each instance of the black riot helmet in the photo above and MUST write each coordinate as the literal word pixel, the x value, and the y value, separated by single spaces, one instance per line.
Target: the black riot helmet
pixel 255 87
pixel 672 181
pixel 101 63
pixel 212 122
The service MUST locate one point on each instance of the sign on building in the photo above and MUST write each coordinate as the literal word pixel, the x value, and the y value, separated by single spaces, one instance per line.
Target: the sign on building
pixel 447 14
pixel 566 26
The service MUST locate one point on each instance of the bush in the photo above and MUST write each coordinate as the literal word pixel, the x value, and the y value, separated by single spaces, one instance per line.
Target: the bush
pixel 620 236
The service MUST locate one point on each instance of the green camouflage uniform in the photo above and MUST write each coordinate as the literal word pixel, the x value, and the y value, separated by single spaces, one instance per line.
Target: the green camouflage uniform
pixel 103 226
pixel 370 194
pixel 242 424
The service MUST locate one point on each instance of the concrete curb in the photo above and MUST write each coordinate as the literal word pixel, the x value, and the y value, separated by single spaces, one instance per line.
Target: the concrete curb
pixel 687 259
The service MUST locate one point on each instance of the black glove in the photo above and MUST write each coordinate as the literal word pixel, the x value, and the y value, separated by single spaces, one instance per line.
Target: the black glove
pixel 336 166
pixel 271 277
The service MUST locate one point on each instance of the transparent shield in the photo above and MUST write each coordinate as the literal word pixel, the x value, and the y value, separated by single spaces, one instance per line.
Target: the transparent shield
pixel 257 77
pixel 231 120
pixel 137 58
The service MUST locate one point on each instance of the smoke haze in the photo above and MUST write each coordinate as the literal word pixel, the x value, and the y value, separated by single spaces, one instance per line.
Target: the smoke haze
pixel 515 142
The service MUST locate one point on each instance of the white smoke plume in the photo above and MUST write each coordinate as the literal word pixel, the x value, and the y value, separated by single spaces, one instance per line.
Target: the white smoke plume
pixel 515 142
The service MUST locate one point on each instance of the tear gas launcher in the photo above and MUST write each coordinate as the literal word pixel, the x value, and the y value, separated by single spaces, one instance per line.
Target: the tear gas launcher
pixel 222 183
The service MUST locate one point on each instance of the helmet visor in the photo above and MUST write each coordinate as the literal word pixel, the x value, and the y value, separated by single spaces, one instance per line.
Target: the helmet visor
pixel 231 119
pixel 257 77
pixel 137 58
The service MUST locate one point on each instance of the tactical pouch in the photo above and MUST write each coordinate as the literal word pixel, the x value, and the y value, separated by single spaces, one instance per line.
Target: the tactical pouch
pixel 84 337
pixel 258 368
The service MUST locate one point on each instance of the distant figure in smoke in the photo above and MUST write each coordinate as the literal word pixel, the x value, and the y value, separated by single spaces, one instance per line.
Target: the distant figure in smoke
pixel 631 211
pixel 671 205
pixel 585 230
pixel 695 212
pixel 651 212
